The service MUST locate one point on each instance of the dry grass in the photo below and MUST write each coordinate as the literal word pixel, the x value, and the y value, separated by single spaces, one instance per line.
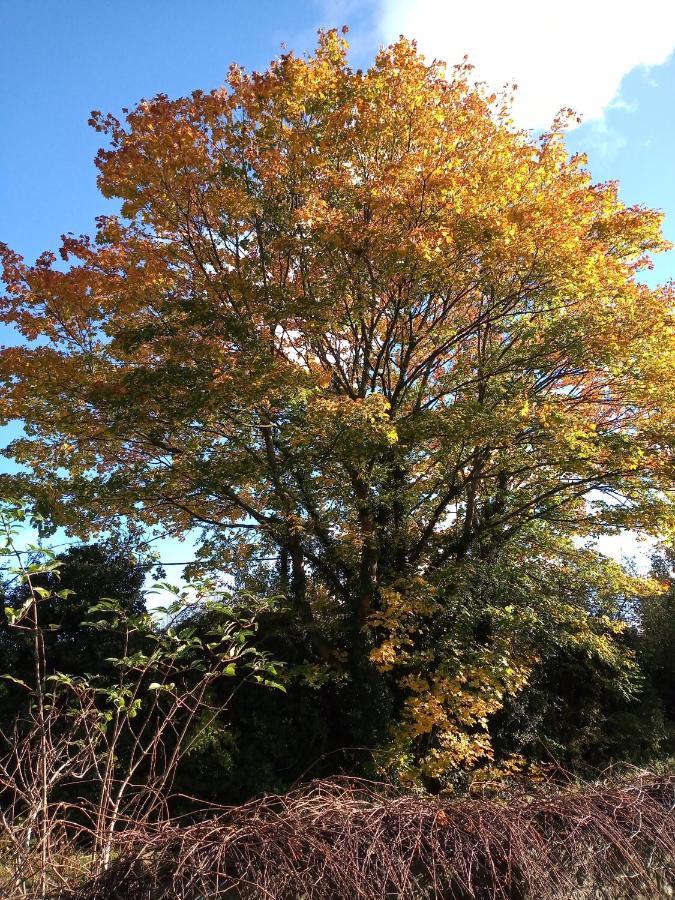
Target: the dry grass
pixel 352 839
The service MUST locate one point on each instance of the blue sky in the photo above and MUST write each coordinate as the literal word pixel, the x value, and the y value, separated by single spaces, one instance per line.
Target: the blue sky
pixel 58 61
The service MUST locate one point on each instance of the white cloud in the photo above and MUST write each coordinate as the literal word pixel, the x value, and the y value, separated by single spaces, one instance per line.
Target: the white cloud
pixel 560 55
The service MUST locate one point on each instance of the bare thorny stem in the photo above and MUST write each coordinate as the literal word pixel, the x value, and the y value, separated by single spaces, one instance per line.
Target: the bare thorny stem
pixel 122 744
pixel 39 668
pixel 344 839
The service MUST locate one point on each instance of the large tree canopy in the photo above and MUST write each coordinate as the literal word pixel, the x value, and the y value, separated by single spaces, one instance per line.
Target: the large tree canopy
pixel 356 322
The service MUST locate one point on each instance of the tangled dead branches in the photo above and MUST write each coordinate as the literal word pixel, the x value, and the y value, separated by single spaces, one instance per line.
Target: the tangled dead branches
pixel 350 839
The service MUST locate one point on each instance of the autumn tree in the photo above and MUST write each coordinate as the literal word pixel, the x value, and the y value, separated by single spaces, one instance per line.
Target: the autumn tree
pixel 366 334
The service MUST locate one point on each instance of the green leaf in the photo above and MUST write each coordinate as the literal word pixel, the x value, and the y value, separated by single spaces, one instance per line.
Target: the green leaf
pixel 16 681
